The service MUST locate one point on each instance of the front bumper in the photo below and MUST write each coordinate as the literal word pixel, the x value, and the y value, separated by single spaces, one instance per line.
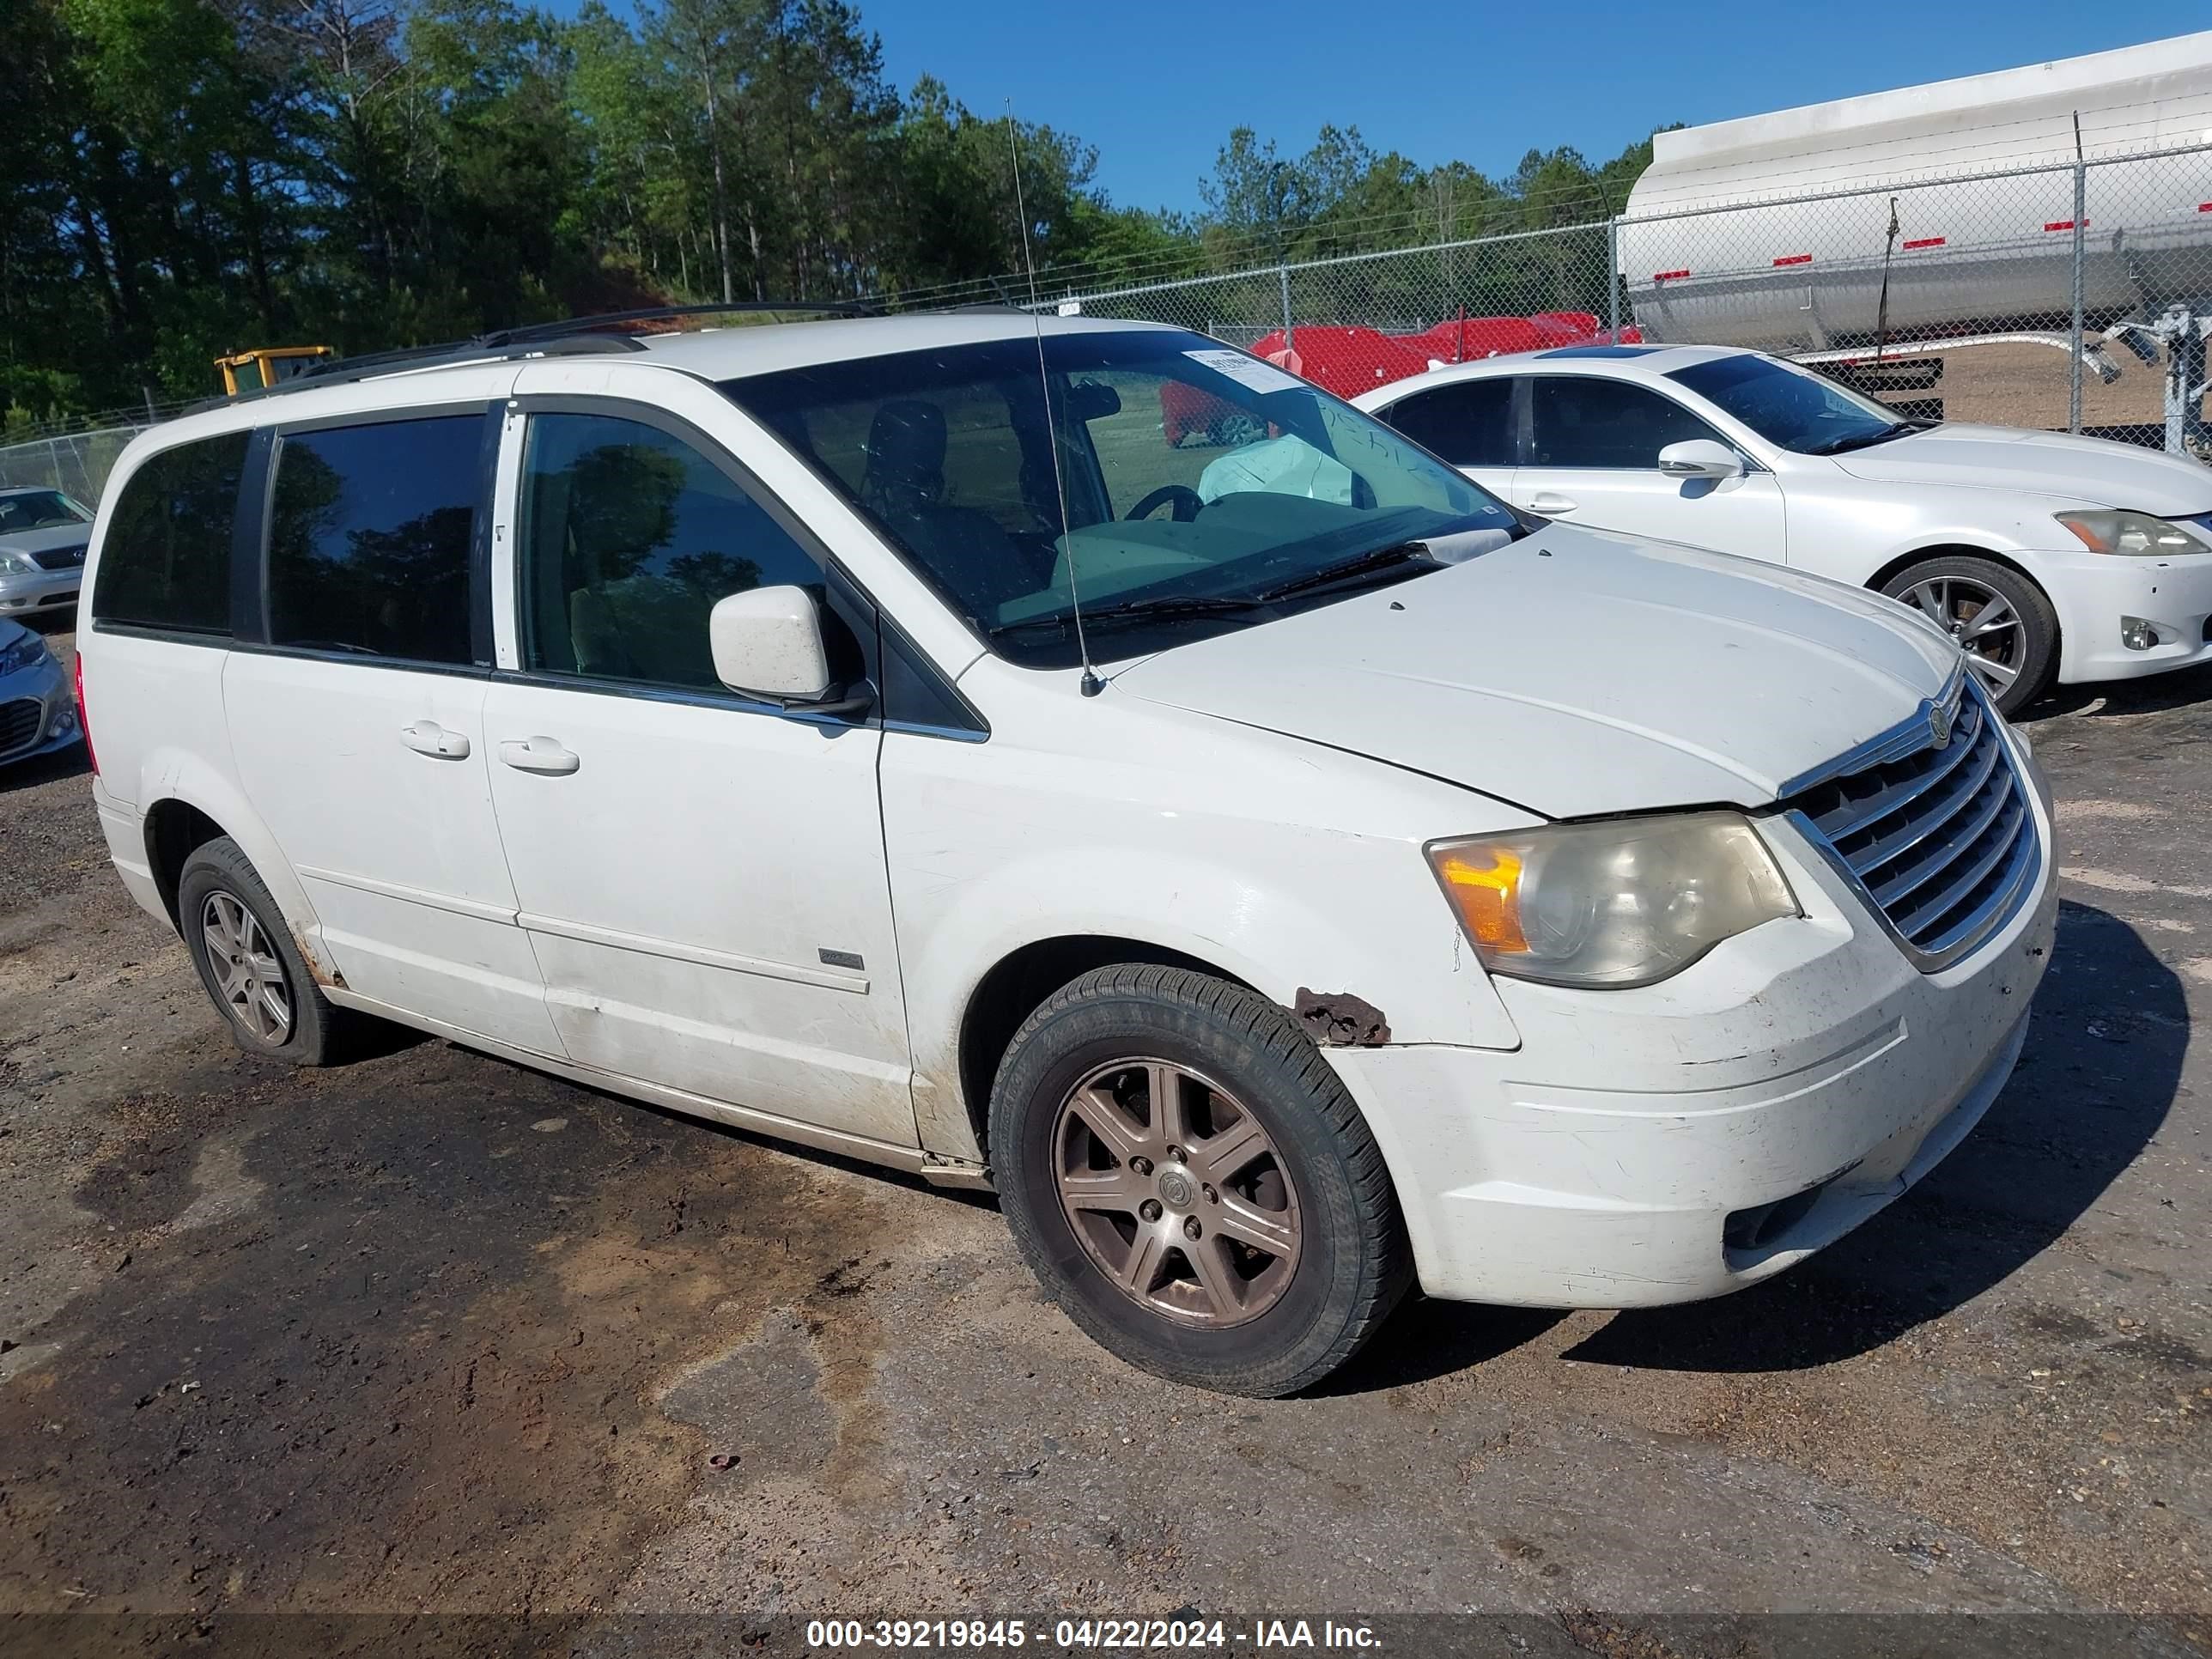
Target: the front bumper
pixel 38 712
pixel 29 593
pixel 2091 592
pixel 1684 1141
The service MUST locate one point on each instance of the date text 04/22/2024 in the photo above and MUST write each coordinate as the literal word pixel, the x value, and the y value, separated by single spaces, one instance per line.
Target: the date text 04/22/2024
pixel 1102 1634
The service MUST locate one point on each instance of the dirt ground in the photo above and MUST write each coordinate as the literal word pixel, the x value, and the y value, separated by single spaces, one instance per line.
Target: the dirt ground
pixel 2027 386
pixel 431 1333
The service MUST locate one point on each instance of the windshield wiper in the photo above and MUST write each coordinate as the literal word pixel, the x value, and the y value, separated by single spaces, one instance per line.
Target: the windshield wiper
pixel 1867 439
pixel 1163 605
pixel 1383 558
pixel 1171 606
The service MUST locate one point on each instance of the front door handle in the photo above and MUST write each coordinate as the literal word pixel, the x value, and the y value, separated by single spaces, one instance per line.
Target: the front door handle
pixel 1550 504
pixel 428 738
pixel 539 755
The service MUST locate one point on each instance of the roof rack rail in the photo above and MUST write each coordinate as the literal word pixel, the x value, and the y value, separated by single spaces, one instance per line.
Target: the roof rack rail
pixel 584 326
pixel 344 371
pixel 571 337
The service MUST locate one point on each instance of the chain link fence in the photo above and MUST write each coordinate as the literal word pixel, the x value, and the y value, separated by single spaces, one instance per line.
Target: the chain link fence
pixel 2074 297
pixel 2069 298
pixel 76 464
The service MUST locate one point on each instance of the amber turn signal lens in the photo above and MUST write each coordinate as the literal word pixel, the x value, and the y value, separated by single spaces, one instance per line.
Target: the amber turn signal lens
pixel 1485 883
pixel 1611 903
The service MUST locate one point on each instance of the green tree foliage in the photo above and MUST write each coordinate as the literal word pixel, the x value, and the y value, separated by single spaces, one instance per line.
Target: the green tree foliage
pixel 183 178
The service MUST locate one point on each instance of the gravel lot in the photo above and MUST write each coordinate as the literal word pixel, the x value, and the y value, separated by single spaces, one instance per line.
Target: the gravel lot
pixel 2028 385
pixel 430 1332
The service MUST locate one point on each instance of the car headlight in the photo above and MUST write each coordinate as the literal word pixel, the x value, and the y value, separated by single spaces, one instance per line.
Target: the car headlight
pixel 25 653
pixel 2137 535
pixel 16 564
pixel 1611 905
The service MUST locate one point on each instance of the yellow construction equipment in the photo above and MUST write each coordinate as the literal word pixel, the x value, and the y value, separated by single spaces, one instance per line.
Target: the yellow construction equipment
pixel 254 371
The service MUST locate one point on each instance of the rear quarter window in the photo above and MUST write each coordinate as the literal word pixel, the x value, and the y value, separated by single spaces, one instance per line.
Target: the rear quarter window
pixel 166 561
pixel 1467 422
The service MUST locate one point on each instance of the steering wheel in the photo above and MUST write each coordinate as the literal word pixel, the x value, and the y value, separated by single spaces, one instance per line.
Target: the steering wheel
pixel 1186 503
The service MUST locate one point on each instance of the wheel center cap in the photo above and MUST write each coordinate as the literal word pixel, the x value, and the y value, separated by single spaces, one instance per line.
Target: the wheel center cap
pixel 1175 1189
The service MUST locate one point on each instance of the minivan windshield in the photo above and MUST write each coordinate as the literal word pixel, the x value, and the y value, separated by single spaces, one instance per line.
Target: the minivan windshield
pixel 1204 489
pixel 1792 407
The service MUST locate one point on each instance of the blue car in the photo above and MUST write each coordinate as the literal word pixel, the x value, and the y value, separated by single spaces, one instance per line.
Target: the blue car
pixel 38 712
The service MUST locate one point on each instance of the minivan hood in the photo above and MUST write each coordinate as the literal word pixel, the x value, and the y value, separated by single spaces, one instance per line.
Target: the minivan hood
pixel 1577 672
pixel 2038 464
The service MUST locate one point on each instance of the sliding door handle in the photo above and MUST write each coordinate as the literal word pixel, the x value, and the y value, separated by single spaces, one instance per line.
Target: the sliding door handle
pixel 544 755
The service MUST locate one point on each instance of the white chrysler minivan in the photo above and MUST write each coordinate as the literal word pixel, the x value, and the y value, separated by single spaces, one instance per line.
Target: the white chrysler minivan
pixel 1286 874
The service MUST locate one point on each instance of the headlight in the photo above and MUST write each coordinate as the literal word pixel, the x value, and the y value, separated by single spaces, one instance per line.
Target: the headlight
pixel 16 564
pixel 1611 905
pixel 25 653
pixel 2135 534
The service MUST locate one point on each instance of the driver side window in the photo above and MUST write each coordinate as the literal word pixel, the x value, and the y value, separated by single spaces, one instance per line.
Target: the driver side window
pixel 628 536
pixel 1584 420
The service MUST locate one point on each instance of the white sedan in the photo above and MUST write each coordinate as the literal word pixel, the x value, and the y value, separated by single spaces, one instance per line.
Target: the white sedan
pixel 2046 556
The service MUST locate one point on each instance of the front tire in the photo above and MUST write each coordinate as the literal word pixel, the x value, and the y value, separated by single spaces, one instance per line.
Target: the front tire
pixel 2002 621
pixel 1187 1178
pixel 250 968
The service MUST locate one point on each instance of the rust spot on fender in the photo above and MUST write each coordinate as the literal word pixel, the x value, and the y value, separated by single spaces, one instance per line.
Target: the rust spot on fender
pixel 1339 1019
pixel 330 979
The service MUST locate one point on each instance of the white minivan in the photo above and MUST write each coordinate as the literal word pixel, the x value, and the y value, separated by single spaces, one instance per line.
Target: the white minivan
pixel 1282 871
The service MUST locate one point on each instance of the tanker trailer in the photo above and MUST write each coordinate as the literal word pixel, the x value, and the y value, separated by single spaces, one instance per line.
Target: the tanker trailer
pixel 1941 216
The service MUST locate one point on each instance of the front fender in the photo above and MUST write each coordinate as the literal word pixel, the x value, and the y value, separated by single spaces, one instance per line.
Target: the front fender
pixel 1853 531
pixel 993 852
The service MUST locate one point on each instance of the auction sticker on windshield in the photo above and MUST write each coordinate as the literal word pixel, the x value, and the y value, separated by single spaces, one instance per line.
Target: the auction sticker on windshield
pixel 1247 371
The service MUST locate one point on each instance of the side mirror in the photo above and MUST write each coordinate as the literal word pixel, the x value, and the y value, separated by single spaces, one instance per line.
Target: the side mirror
pixel 767 643
pixel 1700 457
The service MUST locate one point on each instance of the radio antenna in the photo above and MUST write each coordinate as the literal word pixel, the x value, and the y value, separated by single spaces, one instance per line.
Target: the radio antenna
pixel 1091 683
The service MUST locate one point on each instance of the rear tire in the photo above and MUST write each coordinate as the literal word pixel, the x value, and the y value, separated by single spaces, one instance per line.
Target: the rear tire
pixel 2001 620
pixel 1189 1179
pixel 247 962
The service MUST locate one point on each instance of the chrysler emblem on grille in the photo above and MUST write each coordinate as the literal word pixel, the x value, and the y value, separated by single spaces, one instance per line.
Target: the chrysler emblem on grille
pixel 1939 725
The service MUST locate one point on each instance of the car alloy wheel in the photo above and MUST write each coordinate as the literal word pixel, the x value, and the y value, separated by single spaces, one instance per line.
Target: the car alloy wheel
pixel 1981 619
pixel 249 979
pixel 1176 1192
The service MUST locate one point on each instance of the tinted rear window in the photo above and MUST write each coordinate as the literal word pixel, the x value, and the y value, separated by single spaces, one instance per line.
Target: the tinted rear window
pixel 165 563
pixel 368 539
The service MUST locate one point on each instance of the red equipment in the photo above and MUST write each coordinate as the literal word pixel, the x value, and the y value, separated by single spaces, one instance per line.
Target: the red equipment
pixel 1350 360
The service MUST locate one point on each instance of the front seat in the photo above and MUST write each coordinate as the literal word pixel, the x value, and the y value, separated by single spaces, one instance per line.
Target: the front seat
pixel 903 484
pixel 904 476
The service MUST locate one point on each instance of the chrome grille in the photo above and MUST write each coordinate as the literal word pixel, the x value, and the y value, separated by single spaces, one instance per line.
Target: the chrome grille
pixel 1940 841
pixel 60 558
pixel 19 723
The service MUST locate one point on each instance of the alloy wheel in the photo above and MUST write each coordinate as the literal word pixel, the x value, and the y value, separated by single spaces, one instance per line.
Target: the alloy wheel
pixel 249 979
pixel 1176 1192
pixel 1982 620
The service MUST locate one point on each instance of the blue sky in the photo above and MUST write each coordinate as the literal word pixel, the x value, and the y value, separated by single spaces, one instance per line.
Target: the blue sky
pixel 1156 84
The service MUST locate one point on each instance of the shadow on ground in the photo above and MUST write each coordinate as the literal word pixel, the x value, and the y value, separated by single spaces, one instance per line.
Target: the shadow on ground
pixel 2101 1069
pixel 1426 1339
pixel 2152 696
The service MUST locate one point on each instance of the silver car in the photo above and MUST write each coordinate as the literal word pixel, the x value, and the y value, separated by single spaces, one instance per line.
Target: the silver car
pixel 43 534
pixel 38 711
